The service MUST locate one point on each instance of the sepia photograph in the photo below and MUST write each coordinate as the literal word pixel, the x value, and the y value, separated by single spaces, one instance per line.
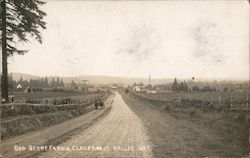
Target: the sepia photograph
pixel 125 79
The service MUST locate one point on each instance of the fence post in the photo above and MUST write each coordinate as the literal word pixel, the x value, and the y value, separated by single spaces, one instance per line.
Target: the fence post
pixel 247 101
pixel 219 100
pixel 212 100
pixel 231 105
pixel 202 105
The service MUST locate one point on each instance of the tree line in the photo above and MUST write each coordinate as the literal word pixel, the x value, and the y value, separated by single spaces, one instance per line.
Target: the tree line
pixel 179 86
pixel 36 83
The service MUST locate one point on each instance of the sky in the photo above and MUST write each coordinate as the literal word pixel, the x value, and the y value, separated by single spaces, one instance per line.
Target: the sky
pixel 167 39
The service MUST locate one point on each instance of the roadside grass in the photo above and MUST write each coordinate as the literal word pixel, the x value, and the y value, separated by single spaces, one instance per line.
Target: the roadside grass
pixel 23 118
pixel 197 131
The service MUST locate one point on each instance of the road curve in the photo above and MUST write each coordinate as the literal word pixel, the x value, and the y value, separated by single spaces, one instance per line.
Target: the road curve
pixel 120 134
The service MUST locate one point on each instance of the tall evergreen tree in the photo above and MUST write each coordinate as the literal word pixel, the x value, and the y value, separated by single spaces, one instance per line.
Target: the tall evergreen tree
pixel 46 82
pixel 53 83
pixel 175 85
pixel 42 83
pixel 185 86
pixel 57 82
pixel 12 82
pixel 19 18
pixel 181 87
pixel 20 80
pixel 73 84
pixel 61 83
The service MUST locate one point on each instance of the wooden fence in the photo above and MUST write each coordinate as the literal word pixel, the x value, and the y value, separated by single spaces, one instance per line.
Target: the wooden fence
pixel 212 102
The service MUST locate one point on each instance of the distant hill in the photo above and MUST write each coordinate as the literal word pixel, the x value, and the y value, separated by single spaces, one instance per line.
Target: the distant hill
pixel 17 76
pixel 122 80
pixel 94 79
pixel 114 80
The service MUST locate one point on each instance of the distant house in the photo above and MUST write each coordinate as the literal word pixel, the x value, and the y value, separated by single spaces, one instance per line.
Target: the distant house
pixel 19 86
pixel 113 86
pixel 137 88
pixel 28 90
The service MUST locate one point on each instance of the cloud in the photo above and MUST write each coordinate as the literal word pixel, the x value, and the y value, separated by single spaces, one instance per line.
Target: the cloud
pixel 141 43
pixel 207 38
pixel 137 38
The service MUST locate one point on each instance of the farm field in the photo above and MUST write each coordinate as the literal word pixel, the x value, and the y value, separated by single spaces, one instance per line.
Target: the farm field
pixel 218 99
pixel 237 96
pixel 20 96
pixel 53 134
pixel 20 118
pixel 186 131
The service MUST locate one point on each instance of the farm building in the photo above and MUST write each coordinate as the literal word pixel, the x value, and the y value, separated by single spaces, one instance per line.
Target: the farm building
pixel 143 89
pixel 19 86
pixel 136 88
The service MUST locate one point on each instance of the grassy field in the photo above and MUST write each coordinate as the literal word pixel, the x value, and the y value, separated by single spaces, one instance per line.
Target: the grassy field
pixel 221 98
pixel 202 128
pixel 239 96
pixel 17 119
pixel 179 131
pixel 20 96
pixel 54 97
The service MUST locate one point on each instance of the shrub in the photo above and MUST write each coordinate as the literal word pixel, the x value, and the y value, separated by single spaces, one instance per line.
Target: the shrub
pixel 126 91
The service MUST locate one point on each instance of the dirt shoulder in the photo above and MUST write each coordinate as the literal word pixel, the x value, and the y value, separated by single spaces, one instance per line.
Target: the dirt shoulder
pixel 53 135
pixel 190 132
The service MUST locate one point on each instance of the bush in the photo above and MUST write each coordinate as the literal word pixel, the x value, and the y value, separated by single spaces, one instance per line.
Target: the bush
pixel 126 91
pixel 167 108
pixel 192 113
pixel 57 90
pixel 37 89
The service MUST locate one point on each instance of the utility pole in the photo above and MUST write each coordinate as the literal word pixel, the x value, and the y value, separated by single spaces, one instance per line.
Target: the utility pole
pixel 149 80
pixel 85 81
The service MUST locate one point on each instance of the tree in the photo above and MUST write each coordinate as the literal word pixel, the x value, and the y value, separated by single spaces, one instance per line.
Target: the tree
pixel 61 83
pixel 20 81
pixel 53 83
pixel 196 88
pixel 73 84
pixel 12 82
pixel 175 85
pixel 185 86
pixel 19 19
pixel 46 82
pixel 57 82
pixel 180 86
pixel 42 83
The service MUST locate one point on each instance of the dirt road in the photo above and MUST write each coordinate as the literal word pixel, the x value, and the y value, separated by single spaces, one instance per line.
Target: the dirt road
pixel 120 134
